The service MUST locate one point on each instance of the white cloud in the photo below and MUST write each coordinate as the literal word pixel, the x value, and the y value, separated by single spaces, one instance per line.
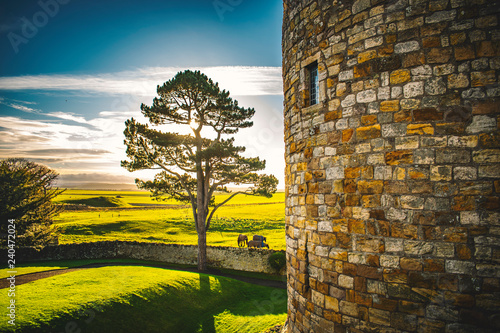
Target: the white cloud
pixel 94 145
pixel 18 105
pixel 41 139
pixel 239 80
pixel 67 116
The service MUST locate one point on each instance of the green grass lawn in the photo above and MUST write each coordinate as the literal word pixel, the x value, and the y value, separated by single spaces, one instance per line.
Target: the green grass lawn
pixel 42 266
pixel 171 224
pixel 144 299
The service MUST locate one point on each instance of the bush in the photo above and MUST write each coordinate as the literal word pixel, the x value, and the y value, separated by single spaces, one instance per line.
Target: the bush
pixel 277 260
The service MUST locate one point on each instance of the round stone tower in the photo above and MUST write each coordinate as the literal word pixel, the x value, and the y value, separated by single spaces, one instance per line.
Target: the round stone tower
pixel 393 165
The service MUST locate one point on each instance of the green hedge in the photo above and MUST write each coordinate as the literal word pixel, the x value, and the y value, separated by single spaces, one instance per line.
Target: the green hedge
pixel 277 260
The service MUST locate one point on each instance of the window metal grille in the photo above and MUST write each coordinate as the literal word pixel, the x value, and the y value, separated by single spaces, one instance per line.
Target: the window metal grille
pixel 313 84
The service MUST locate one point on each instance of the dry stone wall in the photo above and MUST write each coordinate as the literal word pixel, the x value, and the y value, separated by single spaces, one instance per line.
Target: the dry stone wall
pixel 242 259
pixel 393 177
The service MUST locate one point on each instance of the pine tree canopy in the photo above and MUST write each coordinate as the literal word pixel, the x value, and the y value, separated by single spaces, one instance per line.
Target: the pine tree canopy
pixel 194 167
pixel 27 195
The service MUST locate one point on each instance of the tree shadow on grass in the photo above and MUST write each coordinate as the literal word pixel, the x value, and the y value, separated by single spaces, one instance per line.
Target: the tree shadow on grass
pixel 183 308
pixel 208 325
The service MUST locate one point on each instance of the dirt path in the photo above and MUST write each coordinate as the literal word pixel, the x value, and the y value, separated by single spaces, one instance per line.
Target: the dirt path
pixel 25 278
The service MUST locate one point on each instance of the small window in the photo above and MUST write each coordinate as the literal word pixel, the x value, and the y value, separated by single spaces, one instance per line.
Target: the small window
pixel 313 83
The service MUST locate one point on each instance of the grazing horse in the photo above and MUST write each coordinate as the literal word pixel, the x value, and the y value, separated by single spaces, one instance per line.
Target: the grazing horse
pixel 242 240
pixel 258 244
pixel 260 239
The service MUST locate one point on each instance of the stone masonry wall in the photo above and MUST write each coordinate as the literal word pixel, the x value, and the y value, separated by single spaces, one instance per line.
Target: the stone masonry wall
pixel 393 178
pixel 242 259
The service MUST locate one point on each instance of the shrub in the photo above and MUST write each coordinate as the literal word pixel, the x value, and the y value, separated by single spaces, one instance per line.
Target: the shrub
pixel 277 260
pixel 26 197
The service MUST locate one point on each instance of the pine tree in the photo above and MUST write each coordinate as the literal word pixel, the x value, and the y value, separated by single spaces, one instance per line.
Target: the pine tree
pixel 27 193
pixel 193 167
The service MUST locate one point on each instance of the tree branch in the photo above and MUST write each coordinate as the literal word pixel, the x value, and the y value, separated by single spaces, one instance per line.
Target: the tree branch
pixel 222 203
pixel 191 197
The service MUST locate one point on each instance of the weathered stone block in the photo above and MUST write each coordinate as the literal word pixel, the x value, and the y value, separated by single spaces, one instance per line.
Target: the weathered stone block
pixel 393 130
pixel 349 308
pixel 459 267
pixel 464 173
pixel 389 106
pixel 481 79
pixel 418 172
pixel 413 89
pixel 486 156
pixel 445 313
pixel 405 231
pixel 458 81
pixel 458 38
pixel 420 129
pixel 432 41
pixel 380 317
pixel 376 287
pixel 482 123
pixel 370 186
pixel 473 93
pixel 445 156
pixel 368 132
pixel 399 157
pixel 435 86
pixel 441 16
pixel 411 264
pixel 406 47
pixel 489 171
pixel 331 303
pixel 433 141
pixel 464 52
pixel 366 96
pixel 441 173
pixel 418 247
pixel 412 202
pixel 438 55
pixel 360 5
pixel 366 56
pixel 346 75
pixel 346 281
pixel 488 49
pixel 400 76
pixel 348 101
pixel 411 142
pixel 427 114
pixel 388 63
pixel 389 261
pixel 480 64
pixel 470 141
pixel 375 41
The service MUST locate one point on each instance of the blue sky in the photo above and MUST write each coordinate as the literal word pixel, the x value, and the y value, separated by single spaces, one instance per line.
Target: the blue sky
pixel 73 71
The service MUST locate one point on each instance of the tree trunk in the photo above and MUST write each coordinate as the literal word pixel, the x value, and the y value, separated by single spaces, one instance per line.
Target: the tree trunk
pixel 200 209
pixel 202 233
pixel 202 250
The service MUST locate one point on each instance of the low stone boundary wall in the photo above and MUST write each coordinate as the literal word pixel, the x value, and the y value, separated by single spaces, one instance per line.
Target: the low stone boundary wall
pixel 242 259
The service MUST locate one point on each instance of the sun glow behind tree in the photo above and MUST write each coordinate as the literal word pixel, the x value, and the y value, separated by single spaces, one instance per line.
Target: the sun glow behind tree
pixel 195 165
